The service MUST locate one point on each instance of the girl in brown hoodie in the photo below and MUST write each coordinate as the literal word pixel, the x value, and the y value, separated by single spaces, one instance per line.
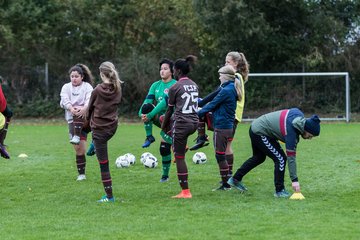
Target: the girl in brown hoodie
pixel 103 117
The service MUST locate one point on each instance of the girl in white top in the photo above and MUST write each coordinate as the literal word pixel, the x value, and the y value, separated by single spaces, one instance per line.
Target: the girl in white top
pixel 75 97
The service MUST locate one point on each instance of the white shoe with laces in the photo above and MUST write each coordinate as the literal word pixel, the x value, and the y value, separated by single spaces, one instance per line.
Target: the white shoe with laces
pixel 81 177
pixel 75 140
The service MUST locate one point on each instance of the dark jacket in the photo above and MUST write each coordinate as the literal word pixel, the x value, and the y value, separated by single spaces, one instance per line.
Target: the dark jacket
pixel 223 106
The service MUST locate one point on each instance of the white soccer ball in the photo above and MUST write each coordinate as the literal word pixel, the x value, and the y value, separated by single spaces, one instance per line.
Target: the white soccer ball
pixel 199 158
pixel 122 162
pixel 130 157
pixel 150 162
pixel 144 156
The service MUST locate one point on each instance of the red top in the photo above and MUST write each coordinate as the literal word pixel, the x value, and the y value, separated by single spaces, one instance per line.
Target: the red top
pixel 2 100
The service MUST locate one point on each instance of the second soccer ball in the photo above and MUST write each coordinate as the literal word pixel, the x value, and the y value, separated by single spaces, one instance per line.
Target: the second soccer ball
pixel 199 158
pixel 150 162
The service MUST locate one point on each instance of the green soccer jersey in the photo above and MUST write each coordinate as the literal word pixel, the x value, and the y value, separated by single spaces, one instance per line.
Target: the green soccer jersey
pixel 157 92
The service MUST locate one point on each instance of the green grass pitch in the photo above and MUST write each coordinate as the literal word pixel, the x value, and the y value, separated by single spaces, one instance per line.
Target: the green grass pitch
pixel 40 198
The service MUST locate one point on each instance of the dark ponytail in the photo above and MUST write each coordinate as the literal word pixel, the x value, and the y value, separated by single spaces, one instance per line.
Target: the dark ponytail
pixel 185 65
pixel 84 71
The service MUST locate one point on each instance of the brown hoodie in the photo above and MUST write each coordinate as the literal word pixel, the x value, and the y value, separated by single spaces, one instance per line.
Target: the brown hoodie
pixel 103 107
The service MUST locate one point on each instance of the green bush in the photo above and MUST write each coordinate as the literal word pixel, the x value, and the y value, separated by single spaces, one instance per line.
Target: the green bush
pixel 44 108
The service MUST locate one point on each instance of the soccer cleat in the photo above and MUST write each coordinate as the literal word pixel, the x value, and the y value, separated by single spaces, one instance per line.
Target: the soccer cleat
pixel 164 179
pixel 237 184
pixel 105 199
pixel 75 140
pixel 201 141
pixel 185 193
pixel 91 150
pixel 149 140
pixel 282 194
pixel 4 152
pixel 223 187
pixel 81 177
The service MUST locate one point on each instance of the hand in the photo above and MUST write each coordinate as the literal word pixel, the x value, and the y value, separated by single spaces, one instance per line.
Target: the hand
pixel 144 118
pixel 82 112
pixel 296 186
pixel 74 110
pixel 78 111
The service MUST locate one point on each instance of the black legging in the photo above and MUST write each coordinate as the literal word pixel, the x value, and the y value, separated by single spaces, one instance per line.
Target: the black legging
pixel 263 146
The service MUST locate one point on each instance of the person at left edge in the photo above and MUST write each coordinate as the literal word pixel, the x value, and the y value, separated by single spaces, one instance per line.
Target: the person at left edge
pixel 7 114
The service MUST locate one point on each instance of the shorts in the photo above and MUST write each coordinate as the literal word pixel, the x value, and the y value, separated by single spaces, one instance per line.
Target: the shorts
pixel 221 139
pixel 180 134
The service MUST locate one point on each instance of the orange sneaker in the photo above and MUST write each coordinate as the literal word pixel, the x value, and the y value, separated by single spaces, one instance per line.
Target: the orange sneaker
pixel 184 194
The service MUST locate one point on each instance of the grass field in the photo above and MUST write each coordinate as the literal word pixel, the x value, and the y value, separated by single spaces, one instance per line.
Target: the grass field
pixel 40 198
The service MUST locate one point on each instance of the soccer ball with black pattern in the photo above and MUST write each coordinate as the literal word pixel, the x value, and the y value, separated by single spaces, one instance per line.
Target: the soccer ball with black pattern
pixel 144 156
pixel 199 158
pixel 122 162
pixel 150 162
pixel 130 158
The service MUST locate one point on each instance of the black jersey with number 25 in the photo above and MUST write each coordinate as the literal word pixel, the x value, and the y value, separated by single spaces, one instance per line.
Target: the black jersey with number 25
pixel 183 95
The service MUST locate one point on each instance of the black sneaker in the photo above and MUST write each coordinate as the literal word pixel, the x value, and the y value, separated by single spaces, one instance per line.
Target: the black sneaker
pixel 201 141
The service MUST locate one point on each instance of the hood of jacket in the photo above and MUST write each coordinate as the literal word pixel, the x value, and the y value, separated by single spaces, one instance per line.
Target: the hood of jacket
pixel 299 124
pixel 107 91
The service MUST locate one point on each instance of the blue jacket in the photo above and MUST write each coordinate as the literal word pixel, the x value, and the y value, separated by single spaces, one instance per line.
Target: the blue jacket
pixel 223 106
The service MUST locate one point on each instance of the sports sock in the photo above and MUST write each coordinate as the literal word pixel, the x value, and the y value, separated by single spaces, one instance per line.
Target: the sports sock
pixel 167 138
pixel 224 171
pixel 230 160
pixel 166 163
pixel 182 172
pixel 148 128
pixel 201 128
pixel 81 163
pixel 106 177
pixel 183 180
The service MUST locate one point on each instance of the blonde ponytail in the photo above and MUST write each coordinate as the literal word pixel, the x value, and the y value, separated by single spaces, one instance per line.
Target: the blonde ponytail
pixel 229 74
pixel 108 71
pixel 242 64
pixel 239 86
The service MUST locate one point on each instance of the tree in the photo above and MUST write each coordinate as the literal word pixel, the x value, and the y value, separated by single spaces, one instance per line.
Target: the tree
pixel 279 35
